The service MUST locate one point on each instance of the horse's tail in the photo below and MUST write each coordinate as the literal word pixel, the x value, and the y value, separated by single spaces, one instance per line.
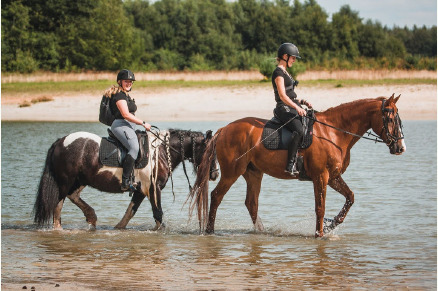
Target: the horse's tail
pixel 198 196
pixel 48 191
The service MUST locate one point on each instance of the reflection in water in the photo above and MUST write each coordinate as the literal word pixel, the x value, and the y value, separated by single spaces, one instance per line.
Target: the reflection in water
pixel 145 260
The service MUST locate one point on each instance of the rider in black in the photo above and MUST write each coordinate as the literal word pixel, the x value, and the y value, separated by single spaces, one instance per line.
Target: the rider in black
pixel 288 108
pixel 123 107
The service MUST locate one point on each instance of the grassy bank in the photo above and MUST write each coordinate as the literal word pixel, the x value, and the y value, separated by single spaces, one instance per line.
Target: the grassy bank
pixel 34 88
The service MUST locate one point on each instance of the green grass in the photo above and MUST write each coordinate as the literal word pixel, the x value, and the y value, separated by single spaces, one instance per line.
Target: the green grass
pixel 100 86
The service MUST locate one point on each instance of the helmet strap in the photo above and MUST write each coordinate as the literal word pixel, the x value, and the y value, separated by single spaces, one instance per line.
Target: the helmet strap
pixel 287 61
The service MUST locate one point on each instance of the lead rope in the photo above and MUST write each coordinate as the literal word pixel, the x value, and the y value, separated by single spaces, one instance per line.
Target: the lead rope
pixel 181 137
pixel 154 175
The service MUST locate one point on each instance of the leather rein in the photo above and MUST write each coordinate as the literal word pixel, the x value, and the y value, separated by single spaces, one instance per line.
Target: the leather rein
pixel 386 116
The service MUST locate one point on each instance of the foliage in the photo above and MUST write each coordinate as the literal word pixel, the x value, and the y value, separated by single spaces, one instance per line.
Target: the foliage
pixel 64 35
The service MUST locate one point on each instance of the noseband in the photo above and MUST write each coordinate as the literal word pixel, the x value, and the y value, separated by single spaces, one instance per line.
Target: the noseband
pixel 386 117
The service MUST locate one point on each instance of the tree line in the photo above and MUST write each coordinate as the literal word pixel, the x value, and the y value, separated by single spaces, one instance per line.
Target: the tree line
pixel 102 35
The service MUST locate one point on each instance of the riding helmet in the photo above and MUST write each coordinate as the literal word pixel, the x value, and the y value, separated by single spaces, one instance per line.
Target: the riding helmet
pixel 289 49
pixel 125 75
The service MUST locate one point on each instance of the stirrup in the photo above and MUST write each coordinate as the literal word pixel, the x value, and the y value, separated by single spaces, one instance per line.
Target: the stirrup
pixel 292 171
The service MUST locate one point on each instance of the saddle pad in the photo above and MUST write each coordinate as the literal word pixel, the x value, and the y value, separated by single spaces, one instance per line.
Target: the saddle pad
pixel 109 153
pixel 275 138
pixel 112 156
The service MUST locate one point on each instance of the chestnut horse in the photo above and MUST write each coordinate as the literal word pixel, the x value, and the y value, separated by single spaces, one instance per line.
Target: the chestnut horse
pixel 240 152
pixel 73 162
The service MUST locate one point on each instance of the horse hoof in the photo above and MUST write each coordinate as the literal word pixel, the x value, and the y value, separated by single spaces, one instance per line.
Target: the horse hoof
pixel 329 225
pixel 159 227
pixel 91 227
pixel 258 225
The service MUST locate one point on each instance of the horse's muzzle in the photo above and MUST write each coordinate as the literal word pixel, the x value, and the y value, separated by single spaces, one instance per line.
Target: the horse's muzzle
pixel 397 148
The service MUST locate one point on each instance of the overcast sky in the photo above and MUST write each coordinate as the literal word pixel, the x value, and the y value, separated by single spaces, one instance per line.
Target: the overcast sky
pixel 388 12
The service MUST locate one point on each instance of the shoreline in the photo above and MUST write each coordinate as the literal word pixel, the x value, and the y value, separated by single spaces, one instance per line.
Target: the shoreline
pixel 417 102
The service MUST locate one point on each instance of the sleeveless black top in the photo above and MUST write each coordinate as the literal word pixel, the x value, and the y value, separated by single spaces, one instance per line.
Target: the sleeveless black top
pixel 288 85
pixel 132 107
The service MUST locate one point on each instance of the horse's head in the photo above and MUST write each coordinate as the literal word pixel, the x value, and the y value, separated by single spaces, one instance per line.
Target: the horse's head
pixel 389 126
pixel 200 144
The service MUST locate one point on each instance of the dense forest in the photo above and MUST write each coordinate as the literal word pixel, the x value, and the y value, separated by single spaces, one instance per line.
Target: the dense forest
pixel 200 35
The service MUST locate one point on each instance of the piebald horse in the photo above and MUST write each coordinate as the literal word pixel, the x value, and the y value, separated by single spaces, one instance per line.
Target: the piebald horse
pixel 73 163
pixel 240 153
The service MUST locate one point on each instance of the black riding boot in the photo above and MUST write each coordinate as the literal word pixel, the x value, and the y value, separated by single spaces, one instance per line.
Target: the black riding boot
pixel 292 155
pixel 128 167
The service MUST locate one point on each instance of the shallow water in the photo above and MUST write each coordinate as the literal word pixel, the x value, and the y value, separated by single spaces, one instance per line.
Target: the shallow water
pixel 387 240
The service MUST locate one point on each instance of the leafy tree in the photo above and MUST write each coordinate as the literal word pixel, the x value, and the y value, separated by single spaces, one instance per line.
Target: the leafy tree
pixel 346 24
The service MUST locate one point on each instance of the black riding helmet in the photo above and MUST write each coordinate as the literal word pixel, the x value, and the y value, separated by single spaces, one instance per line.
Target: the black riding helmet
pixel 125 75
pixel 290 49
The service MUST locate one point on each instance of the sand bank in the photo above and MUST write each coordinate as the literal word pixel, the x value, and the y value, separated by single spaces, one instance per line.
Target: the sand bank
pixel 417 102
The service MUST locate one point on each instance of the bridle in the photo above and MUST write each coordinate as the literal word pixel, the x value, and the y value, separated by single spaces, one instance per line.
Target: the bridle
pixel 191 159
pixel 386 116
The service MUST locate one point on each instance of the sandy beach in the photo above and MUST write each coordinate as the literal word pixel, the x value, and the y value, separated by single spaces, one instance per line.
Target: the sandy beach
pixel 417 102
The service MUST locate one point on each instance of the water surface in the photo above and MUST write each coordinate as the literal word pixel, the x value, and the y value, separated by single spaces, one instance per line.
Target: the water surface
pixel 388 239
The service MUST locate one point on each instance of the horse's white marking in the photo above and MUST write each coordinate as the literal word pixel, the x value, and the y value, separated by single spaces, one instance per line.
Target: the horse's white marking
pixel 69 139
pixel 117 172
pixel 403 141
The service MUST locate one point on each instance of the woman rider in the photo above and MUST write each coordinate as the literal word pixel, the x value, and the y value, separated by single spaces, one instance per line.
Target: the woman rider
pixel 123 107
pixel 288 108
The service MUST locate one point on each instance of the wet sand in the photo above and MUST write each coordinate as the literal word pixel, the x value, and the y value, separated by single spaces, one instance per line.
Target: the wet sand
pixel 417 102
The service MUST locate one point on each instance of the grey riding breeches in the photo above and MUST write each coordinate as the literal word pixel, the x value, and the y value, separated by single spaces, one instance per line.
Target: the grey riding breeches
pixel 125 133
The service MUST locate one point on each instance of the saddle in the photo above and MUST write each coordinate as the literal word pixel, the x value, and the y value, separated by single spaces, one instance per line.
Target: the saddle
pixel 112 152
pixel 275 137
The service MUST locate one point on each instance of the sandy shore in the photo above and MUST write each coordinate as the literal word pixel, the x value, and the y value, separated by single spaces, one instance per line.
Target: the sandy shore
pixel 417 102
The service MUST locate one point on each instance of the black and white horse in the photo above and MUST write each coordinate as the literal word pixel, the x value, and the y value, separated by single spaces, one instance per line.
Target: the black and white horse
pixel 73 162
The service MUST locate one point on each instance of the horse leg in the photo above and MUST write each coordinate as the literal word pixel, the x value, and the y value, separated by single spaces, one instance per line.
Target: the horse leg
pixel 57 215
pixel 217 195
pixel 155 201
pixel 137 199
pixel 254 182
pixel 338 184
pixel 89 213
pixel 320 189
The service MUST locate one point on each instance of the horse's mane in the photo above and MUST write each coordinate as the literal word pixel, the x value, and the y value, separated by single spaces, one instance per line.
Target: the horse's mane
pixel 184 131
pixel 345 107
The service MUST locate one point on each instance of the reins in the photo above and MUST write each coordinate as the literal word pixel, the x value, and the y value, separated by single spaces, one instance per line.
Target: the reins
pixel 375 139
pixel 168 147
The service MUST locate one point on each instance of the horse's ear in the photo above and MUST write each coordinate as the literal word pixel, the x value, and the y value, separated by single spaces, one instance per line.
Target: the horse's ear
pixel 208 135
pixel 391 99
pixel 396 98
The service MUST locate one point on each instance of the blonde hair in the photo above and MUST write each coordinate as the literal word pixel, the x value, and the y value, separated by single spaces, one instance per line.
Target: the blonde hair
pixel 114 89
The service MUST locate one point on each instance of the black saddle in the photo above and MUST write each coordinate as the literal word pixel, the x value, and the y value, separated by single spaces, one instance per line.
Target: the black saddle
pixel 275 137
pixel 112 152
